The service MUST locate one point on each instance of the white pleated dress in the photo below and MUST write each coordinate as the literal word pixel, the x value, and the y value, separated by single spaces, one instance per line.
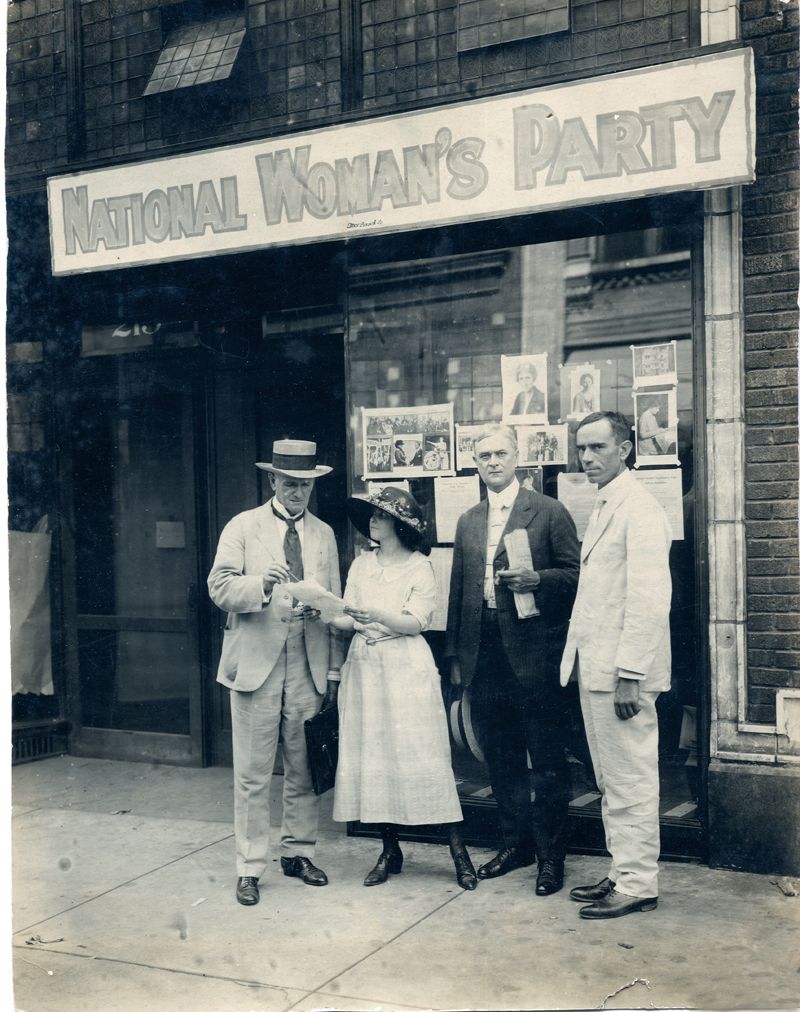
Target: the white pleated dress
pixel 394 751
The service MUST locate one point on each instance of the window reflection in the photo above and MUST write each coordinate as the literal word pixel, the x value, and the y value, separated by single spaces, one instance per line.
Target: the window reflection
pixel 450 330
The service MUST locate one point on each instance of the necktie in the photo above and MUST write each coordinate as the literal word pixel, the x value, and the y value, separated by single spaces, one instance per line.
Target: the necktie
pixel 291 544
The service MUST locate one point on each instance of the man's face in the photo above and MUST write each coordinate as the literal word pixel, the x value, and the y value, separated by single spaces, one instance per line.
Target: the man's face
pixel 496 459
pixel 601 456
pixel 292 493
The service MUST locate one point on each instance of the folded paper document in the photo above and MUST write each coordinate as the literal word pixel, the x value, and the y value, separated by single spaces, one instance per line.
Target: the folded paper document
pixel 518 551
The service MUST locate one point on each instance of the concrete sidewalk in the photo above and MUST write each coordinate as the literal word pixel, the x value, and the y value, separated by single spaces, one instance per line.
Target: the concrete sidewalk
pixel 123 900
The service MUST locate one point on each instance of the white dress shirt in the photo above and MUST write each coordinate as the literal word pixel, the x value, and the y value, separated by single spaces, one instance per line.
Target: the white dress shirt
pixel 500 504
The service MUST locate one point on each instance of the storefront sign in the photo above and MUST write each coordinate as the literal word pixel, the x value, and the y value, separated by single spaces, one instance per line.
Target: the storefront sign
pixel 683 125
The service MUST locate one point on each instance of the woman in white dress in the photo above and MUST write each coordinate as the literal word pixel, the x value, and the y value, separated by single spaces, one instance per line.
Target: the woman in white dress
pixel 394 752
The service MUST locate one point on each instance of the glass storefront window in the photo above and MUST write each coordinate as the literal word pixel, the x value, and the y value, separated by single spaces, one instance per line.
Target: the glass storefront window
pixel 606 323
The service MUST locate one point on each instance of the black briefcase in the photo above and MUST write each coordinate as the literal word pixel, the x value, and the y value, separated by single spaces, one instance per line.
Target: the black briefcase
pixel 322 742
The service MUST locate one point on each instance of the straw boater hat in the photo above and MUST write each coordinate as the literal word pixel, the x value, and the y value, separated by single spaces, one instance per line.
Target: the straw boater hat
pixel 396 502
pixel 295 458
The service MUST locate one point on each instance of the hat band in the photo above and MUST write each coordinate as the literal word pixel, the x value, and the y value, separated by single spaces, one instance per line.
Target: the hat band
pixel 294 462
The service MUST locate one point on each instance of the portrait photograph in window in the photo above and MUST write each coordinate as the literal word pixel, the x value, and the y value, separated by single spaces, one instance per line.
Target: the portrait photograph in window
pixel 656 428
pixel 581 385
pixel 524 380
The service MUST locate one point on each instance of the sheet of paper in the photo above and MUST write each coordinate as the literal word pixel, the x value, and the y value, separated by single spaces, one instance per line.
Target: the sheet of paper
pixel 315 596
pixel 666 486
pixel 442 562
pixel 453 497
pixel 575 492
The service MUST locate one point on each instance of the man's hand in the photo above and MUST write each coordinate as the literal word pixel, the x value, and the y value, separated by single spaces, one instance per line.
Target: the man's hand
pixel 455 672
pixel 331 695
pixel 519 580
pixel 275 572
pixel 626 698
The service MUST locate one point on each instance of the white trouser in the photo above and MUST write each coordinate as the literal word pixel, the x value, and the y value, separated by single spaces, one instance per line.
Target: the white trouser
pixel 625 759
pixel 279 707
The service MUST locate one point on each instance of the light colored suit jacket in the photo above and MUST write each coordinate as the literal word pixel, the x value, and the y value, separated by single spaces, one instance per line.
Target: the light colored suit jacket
pixel 255 632
pixel 621 614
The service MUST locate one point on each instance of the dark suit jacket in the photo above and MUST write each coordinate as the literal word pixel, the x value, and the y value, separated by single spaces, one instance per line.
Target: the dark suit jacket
pixel 528 404
pixel 533 645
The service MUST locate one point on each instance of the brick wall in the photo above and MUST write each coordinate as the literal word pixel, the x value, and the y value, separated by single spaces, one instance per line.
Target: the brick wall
pixel 770 238
pixel 409 47
pixel 289 71
pixel 36 134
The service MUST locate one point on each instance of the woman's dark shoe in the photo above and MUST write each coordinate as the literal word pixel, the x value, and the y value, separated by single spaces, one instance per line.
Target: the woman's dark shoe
pixel 465 870
pixel 389 863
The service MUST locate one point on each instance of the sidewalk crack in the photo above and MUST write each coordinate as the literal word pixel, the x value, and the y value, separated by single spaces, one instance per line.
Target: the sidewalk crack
pixel 119 885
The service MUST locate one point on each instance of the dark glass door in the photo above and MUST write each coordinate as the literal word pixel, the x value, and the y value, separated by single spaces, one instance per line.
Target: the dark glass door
pixel 133 652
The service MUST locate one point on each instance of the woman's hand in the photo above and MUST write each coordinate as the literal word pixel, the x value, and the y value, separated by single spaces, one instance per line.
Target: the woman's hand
pixel 366 616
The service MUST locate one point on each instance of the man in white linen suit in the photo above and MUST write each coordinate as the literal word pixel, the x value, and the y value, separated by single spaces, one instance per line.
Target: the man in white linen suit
pixel 279 661
pixel 618 646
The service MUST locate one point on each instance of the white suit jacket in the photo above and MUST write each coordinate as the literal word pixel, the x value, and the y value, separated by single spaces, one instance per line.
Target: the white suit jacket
pixel 254 632
pixel 620 618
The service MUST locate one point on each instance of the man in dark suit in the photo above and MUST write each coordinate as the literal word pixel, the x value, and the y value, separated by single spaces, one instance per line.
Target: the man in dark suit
pixel 512 665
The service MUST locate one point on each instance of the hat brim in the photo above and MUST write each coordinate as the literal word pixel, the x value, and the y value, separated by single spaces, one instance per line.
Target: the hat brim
pixel 360 509
pixel 359 512
pixel 318 472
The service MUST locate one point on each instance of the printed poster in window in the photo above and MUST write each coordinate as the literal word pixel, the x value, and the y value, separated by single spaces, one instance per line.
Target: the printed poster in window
pixel 656 428
pixel 408 442
pixel 654 365
pixel 465 460
pixel 524 389
pixel 542 444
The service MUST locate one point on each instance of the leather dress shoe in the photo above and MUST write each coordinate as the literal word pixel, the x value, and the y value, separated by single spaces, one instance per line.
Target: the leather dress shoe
pixel 247 890
pixel 616 904
pixel 550 878
pixel 588 894
pixel 390 862
pixel 505 861
pixel 301 867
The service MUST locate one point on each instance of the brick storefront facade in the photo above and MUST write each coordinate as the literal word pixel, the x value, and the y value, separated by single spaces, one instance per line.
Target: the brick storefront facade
pixel 76 74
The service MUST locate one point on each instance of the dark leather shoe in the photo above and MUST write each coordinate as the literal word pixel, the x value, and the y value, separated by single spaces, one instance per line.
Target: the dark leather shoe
pixel 505 861
pixel 390 862
pixel 247 891
pixel 616 904
pixel 465 869
pixel 550 878
pixel 301 867
pixel 588 894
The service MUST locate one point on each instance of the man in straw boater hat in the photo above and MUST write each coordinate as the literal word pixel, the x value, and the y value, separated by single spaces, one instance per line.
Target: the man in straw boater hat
pixel 279 661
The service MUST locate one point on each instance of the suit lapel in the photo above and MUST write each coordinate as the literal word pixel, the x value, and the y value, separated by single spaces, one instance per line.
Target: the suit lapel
pixel 523 511
pixel 479 521
pixel 311 535
pixel 597 530
pixel 267 533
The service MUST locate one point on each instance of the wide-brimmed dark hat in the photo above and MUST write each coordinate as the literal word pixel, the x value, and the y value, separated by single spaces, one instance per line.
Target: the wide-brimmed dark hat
pixel 395 502
pixel 295 458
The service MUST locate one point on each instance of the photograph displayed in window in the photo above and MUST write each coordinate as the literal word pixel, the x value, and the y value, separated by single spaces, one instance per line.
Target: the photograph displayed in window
pixel 538 337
